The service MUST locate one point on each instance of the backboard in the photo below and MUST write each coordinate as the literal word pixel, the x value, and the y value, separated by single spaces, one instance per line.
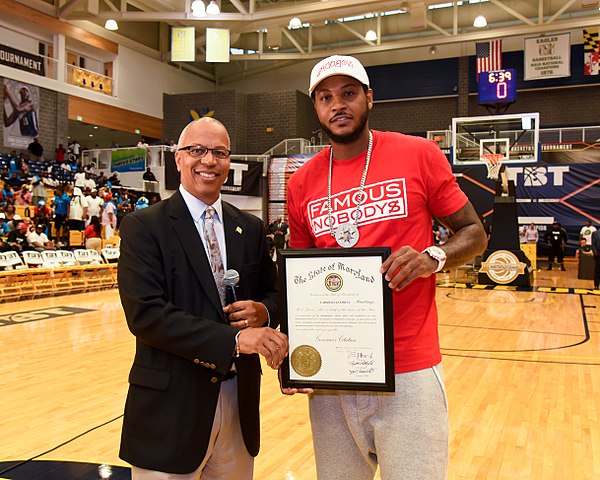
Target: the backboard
pixel 515 137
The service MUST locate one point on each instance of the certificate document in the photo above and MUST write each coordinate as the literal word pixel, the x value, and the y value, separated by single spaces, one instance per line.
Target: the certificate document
pixel 337 314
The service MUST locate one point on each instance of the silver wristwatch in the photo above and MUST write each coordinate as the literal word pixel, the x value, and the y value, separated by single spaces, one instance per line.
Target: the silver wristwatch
pixel 437 254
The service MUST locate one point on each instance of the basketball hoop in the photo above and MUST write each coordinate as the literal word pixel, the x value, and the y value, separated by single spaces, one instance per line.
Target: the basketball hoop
pixel 493 162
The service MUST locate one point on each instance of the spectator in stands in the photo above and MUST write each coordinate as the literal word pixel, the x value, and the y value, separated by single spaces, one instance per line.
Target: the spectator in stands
pixel 153 199
pixel 95 154
pixel 60 153
pixel 124 205
pixel 42 214
pixel 14 181
pixel 141 203
pixel 24 171
pixel 93 234
pixel 74 151
pixel 79 179
pixel 65 166
pixel 89 182
pixel 149 175
pixel 36 150
pixel 95 204
pixel 90 168
pixel 5 175
pixel 14 163
pixel 61 213
pixel 17 238
pixel 101 180
pixel 9 211
pixel 109 216
pixel 3 226
pixel 8 194
pixel 38 191
pixel 39 241
pixel 48 181
pixel 114 180
pixel 78 210
pixel 24 195
pixel 114 144
pixel 142 143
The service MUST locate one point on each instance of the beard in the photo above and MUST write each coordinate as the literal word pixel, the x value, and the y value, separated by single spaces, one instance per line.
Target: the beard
pixel 351 136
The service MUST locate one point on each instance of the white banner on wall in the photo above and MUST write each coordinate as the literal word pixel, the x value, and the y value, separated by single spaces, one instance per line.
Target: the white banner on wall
pixel 548 57
pixel 21 113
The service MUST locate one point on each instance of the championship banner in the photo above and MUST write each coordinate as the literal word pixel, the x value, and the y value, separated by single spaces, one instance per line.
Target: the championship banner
pixel 130 160
pixel 183 44
pixel 244 178
pixel 217 45
pixel 590 52
pixel 548 57
pixel 21 113
pixel 26 61
pixel 92 80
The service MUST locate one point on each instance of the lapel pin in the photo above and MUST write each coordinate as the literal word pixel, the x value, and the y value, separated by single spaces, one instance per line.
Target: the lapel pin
pixel 238 230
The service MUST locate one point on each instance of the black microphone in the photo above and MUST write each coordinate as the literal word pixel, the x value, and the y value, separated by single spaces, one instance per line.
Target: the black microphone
pixel 230 280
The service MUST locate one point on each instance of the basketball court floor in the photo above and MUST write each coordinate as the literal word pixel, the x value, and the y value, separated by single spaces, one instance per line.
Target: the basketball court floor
pixel 522 372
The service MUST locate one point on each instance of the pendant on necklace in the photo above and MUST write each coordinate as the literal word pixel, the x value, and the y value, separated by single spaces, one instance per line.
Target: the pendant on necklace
pixel 346 235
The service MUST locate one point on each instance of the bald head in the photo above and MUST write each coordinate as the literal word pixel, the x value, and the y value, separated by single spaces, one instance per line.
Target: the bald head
pixel 211 123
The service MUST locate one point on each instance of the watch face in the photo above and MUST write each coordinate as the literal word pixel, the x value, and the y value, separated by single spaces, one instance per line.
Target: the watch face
pixel 438 253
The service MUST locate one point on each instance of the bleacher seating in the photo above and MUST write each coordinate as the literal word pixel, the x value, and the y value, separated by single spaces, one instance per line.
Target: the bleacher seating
pixel 49 272
pixel 33 274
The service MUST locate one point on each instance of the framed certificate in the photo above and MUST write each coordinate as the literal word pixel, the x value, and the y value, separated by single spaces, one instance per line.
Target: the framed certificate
pixel 337 313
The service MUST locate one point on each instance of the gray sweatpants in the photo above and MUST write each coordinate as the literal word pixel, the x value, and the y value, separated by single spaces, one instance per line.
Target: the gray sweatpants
pixel 405 432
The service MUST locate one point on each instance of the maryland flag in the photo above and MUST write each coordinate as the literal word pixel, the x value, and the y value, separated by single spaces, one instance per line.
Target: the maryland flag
pixel 590 52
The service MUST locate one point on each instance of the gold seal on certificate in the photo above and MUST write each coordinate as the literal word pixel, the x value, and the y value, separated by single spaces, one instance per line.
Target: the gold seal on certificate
pixel 306 360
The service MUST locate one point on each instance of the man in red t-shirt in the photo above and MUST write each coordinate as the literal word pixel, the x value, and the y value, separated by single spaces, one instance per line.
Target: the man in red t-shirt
pixel 404 182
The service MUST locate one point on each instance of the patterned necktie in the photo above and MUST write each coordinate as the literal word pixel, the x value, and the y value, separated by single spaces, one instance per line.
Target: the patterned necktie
pixel 216 261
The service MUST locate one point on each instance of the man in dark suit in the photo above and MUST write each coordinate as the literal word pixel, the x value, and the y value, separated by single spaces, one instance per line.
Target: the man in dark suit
pixel 192 406
pixel 279 229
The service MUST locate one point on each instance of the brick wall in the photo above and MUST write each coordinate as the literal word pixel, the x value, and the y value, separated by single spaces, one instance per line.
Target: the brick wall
pixel 414 116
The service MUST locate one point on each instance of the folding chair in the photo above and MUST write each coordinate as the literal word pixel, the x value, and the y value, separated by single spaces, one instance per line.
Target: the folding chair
pixel 33 259
pixel 51 258
pixel 111 255
pixel 12 261
pixel 88 256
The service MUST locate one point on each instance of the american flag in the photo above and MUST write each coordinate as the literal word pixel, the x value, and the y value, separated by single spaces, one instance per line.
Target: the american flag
pixel 489 56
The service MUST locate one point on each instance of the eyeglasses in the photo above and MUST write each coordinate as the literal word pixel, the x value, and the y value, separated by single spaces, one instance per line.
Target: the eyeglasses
pixel 200 151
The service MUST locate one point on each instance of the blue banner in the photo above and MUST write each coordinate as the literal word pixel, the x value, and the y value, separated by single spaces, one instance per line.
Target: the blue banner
pixel 130 160
pixel 567 193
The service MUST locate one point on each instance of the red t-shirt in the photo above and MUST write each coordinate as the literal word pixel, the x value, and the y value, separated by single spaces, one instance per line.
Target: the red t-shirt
pixel 408 181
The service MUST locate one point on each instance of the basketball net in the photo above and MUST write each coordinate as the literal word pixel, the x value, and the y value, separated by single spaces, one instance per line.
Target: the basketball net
pixel 493 162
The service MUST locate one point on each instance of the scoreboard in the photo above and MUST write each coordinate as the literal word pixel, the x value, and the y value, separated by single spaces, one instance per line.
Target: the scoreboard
pixel 498 86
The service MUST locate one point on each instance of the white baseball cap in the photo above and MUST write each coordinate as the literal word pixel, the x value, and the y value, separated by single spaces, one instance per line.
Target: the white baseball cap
pixel 337 65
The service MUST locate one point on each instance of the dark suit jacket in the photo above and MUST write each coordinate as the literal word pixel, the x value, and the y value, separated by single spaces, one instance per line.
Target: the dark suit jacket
pixel 184 346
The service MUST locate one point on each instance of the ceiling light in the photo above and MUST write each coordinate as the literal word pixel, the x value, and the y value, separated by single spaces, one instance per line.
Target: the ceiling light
pixel 111 24
pixel 371 36
pixel 480 21
pixel 295 22
pixel 198 8
pixel 213 8
pixel 432 50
